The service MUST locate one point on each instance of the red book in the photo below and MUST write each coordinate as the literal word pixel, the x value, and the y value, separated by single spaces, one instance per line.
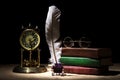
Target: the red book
pixel 85 70
pixel 87 52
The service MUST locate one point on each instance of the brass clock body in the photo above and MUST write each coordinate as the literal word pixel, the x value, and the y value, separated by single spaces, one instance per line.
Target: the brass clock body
pixel 30 63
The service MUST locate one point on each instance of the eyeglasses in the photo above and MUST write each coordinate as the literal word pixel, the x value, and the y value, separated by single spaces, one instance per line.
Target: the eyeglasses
pixel 84 42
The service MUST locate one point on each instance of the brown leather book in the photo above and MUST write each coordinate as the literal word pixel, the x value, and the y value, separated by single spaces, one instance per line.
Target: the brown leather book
pixel 85 70
pixel 87 52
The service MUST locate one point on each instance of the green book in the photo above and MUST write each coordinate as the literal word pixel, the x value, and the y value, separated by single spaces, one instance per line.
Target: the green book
pixel 83 61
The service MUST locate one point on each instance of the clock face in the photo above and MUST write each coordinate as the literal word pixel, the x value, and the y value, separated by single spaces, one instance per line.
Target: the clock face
pixel 29 39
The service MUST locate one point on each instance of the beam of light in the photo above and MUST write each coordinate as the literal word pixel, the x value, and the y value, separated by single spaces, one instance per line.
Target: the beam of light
pixel 7 74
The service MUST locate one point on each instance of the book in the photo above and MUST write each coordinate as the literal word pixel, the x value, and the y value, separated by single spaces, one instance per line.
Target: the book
pixel 87 52
pixel 85 70
pixel 83 61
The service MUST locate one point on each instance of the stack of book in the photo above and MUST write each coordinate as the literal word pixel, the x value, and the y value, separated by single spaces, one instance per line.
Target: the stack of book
pixel 86 60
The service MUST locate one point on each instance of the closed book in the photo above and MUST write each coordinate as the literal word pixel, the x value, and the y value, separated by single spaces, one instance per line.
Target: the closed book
pixel 85 70
pixel 87 52
pixel 88 62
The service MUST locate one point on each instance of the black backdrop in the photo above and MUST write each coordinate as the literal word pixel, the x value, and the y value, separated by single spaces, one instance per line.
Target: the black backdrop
pixel 97 21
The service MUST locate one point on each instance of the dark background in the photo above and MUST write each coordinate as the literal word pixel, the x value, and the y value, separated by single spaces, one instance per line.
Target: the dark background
pixel 98 21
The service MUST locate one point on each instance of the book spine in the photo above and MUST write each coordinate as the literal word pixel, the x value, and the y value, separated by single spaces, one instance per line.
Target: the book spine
pixel 84 70
pixel 80 61
pixel 87 52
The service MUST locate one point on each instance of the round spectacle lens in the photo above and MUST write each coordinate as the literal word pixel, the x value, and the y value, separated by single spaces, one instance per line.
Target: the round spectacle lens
pixel 84 42
pixel 68 42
